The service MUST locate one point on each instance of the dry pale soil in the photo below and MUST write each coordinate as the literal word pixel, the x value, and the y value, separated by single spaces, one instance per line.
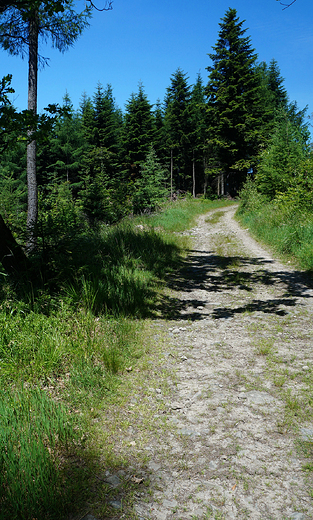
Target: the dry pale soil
pixel 220 426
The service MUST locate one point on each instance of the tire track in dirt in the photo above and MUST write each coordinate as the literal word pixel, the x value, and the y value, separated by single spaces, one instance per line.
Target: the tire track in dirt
pixel 239 334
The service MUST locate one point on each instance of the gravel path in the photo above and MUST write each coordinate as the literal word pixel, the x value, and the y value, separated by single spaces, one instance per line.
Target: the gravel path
pixel 238 358
pixel 232 455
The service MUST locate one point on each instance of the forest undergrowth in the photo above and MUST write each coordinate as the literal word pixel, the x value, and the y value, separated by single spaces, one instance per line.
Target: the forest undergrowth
pixel 68 335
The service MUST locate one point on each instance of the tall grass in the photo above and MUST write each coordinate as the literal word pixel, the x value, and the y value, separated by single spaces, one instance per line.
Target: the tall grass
pixel 33 430
pixel 182 214
pixel 119 270
pixel 286 227
pixel 67 334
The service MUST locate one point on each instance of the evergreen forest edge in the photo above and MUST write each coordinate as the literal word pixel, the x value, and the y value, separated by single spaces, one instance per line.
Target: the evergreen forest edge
pixel 65 322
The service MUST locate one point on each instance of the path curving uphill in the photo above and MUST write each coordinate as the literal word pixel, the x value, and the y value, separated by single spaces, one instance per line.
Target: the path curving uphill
pixel 235 415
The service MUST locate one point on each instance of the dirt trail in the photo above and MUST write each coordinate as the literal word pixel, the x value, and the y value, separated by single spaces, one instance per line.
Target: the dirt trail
pixel 239 337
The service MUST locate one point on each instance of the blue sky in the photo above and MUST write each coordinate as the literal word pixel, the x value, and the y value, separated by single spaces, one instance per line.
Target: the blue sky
pixel 146 41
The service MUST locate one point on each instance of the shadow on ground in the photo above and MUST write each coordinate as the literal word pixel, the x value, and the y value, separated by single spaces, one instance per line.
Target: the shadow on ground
pixel 206 271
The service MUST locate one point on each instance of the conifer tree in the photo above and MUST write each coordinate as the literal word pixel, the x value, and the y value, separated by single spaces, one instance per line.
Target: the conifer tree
pixel 197 138
pixel 159 133
pixel 150 188
pixel 138 132
pixel 107 120
pixel 21 27
pixel 104 189
pixel 275 84
pixel 60 158
pixel 234 105
pixel 87 117
pixel 273 98
pixel 178 129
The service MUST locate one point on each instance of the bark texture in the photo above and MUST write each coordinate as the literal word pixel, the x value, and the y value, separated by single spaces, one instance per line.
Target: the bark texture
pixel 32 210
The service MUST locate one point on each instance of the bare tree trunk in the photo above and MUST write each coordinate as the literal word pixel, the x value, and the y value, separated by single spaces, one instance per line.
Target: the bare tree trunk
pixel 193 175
pixel 12 255
pixel 222 185
pixel 32 210
pixel 205 185
pixel 171 173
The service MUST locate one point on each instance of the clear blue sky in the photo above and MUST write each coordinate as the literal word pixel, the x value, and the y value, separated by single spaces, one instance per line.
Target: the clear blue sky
pixel 146 41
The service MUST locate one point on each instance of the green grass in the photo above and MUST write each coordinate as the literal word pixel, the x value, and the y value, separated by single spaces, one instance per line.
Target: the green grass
pixel 75 359
pixel 69 335
pixel 120 270
pixel 214 217
pixel 181 215
pixel 289 231
pixel 34 430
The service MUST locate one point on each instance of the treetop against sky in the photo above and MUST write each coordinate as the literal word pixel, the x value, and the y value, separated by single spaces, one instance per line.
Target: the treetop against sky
pixel 144 42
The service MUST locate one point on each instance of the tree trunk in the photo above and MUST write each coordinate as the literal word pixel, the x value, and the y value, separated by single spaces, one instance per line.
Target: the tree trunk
pixel 12 256
pixel 220 185
pixel 193 175
pixel 32 210
pixel 206 180
pixel 171 173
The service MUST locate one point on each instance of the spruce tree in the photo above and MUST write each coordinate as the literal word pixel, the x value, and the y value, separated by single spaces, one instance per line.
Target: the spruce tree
pixel 150 188
pixel 275 84
pixel 107 120
pixel 197 137
pixel 178 129
pixel 234 105
pixel 273 98
pixel 104 191
pixel 60 158
pixel 138 132
pixel 159 132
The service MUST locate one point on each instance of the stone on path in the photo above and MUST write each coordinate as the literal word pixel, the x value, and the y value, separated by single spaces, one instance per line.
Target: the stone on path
pixel 116 504
pixel 307 434
pixel 113 480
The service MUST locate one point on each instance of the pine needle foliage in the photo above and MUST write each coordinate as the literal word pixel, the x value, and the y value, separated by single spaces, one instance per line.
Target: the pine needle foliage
pixel 233 108
pixel 150 189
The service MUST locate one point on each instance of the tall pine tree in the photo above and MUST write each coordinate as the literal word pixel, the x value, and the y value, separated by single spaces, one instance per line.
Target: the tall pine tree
pixel 178 129
pixel 234 105
pixel 138 132
pixel 197 137
pixel 60 157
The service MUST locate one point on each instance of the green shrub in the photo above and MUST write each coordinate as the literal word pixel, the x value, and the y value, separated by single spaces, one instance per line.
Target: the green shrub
pixel 251 200
pixel 149 189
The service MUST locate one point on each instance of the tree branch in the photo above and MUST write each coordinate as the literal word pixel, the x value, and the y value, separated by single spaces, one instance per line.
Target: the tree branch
pixel 107 7
pixel 285 6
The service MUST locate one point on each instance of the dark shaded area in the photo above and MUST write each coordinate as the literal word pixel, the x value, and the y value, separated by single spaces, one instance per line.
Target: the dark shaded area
pixel 122 271
pixel 12 255
pixel 216 274
pixel 118 272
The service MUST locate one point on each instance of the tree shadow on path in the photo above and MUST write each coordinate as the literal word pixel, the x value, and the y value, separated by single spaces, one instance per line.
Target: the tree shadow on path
pixel 213 274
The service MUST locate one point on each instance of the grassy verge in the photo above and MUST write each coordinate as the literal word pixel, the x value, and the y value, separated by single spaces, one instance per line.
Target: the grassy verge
pixel 286 227
pixel 68 338
pixel 182 215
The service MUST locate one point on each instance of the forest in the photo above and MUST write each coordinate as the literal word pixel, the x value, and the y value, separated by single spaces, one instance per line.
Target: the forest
pixel 90 198
pixel 204 139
